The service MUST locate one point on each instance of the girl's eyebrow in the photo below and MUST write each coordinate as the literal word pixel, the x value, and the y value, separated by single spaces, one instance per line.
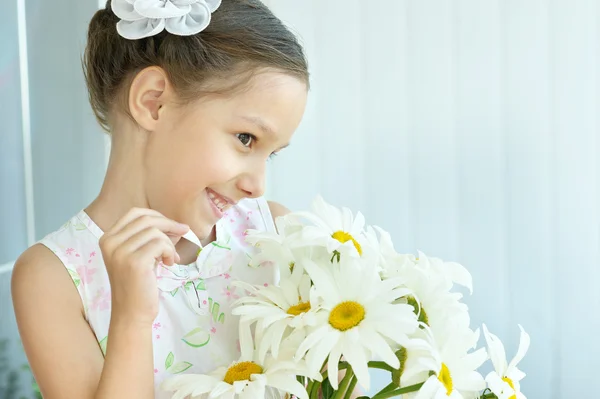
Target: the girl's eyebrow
pixel 260 124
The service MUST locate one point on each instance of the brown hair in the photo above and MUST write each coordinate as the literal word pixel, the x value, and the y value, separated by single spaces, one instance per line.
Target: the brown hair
pixel 243 37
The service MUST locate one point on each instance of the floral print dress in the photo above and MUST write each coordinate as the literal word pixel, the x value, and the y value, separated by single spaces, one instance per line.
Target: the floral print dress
pixel 194 331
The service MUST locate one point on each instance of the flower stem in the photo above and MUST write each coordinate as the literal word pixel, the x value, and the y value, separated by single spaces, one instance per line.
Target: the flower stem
pixel 314 390
pixel 380 365
pixel 400 391
pixel 351 387
pixel 373 365
pixel 341 392
pixel 388 388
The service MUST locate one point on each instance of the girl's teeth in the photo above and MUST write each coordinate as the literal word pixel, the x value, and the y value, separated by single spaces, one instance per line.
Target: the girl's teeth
pixel 217 201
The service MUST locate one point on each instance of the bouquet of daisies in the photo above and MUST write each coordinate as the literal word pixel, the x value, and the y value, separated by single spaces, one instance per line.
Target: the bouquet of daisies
pixel 347 302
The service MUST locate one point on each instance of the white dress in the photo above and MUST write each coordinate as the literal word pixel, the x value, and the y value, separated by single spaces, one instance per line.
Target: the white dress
pixel 195 331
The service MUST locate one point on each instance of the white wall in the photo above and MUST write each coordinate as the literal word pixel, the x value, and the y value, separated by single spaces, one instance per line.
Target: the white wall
pixel 468 129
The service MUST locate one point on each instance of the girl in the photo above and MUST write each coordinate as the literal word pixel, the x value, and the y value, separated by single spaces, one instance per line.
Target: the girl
pixel 196 96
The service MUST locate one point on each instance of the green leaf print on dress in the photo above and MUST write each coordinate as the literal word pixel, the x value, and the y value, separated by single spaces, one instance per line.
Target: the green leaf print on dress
pixel 200 286
pixel 103 343
pixel 79 226
pixel 177 367
pixel 214 308
pixel 197 338
pixel 75 277
pixel 169 360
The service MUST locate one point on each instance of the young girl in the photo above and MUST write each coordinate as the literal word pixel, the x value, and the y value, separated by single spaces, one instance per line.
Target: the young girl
pixel 196 96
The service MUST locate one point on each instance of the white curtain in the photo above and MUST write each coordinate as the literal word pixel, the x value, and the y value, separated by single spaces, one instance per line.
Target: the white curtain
pixel 469 129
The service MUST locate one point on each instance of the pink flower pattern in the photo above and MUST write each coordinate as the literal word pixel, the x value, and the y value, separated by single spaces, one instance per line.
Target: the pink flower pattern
pixel 101 300
pixel 86 274
pixel 230 293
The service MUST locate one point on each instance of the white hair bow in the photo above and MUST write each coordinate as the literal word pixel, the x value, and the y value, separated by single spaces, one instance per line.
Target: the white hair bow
pixel 144 18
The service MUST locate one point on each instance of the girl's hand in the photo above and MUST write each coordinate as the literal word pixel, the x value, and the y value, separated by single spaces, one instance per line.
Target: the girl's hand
pixel 131 250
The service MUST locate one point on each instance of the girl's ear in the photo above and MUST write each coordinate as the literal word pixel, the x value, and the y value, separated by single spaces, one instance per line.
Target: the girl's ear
pixel 148 94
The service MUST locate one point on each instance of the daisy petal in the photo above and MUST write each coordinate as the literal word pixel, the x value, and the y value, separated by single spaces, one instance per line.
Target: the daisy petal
pixel 316 356
pixel 288 384
pixel 357 359
pixel 311 340
pixel 429 389
pixel 333 363
pixel 460 275
pixel 246 344
pixel 523 348
pixel 220 389
pixel 496 351
pixel 379 346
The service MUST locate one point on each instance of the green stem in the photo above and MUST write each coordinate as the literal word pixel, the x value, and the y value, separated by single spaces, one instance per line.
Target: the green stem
pixel 309 387
pixel 351 387
pixel 341 392
pixel 314 393
pixel 373 365
pixel 397 392
pixel 380 365
pixel 489 396
pixel 389 388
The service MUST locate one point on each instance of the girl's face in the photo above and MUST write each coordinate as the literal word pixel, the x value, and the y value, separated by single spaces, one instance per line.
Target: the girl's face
pixel 205 157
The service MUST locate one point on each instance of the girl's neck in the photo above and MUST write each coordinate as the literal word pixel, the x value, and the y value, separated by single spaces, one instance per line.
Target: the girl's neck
pixel 124 189
pixel 124 183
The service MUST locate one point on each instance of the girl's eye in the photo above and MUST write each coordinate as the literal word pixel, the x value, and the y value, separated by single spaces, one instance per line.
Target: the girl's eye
pixel 245 138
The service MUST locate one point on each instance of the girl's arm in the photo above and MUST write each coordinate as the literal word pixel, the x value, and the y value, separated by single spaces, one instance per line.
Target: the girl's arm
pixel 63 352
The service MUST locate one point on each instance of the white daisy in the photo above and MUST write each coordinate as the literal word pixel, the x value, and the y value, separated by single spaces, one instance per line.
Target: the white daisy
pixel 504 381
pixel 334 229
pixel 357 320
pixel 272 250
pixel 432 299
pixel 276 309
pixel 416 361
pixel 453 273
pixel 246 379
pixel 455 367
pixel 382 244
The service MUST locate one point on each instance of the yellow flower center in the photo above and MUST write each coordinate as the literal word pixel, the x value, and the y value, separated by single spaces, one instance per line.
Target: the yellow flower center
pixel 511 384
pixel 411 300
pixel 241 372
pixel 298 309
pixel 344 237
pixel 346 315
pixel 446 379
